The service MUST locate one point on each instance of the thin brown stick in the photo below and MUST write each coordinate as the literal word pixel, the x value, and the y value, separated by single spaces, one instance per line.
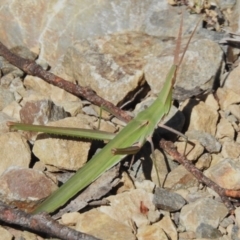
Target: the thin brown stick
pixel 171 150
pixel 32 68
pixel 40 223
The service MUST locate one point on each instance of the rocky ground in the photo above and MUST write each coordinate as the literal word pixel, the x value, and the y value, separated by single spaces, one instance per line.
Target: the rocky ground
pixel 123 51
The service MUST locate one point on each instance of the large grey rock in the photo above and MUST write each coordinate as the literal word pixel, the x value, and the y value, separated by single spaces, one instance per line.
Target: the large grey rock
pixel 56 25
pixel 168 201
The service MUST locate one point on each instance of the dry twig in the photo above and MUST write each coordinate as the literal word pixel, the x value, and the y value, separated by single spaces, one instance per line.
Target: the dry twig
pixel 40 223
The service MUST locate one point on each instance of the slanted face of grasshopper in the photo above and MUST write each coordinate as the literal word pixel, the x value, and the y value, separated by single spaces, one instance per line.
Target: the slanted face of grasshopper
pixel 128 141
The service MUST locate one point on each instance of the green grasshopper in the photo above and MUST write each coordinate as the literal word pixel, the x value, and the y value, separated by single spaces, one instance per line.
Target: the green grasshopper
pixel 128 141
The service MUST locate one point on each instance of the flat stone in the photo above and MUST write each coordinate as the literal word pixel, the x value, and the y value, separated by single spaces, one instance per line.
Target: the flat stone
pixel 47 91
pixel 235 232
pixel 25 188
pixel 207 231
pixel 187 235
pixel 230 220
pixel 13 110
pixel 202 117
pixel 6 97
pixel 232 82
pixel 225 129
pixel 72 107
pixel 226 173
pixel 230 149
pixel 16 86
pixel 4 118
pixel 227 97
pixel 14 151
pixel 126 183
pixel 204 161
pixel 206 210
pixel 223 231
pixel 237 217
pixel 196 194
pixel 24 52
pixel 180 178
pixel 227 4
pixel 235 110
pixel 216 158
pixel 28 235
pixel 108 70
pixel 129 206
pixel 10 70
pixel 212 102
pixel 169 227
pixel 5 234
pixel 41 112
pixel 151 232
pixel 70 219
pixel 167 200
pixel 63 153
pixel 102 226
